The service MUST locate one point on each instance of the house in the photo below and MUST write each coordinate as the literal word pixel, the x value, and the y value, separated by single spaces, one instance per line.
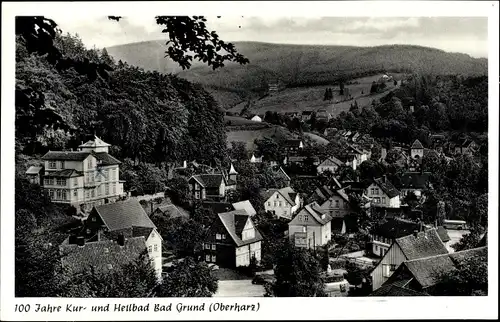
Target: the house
pixel 83 178
pixel 466 146
pixel 246 206
pixel 395 289
pixel 254 159
pixel 34 174
pixel 103 256
pixel 232 240
pixel 330 164
pixel 384 235
pixel 256 118
pixel 422 274
pixel 383 193
pixel 293 146
pixel 323 115
pixel 282 202
pixel 417 150
pixel 280 173
pixel 349 160
pixel 417 245
pixel 415 182
pixel 305 116
pixel 361 155
pixel 310 228
pixel 301 159
pixel 126 218
pixel 333 202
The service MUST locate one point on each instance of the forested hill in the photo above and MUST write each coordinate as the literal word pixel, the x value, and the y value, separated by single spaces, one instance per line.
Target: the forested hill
pixel 145 115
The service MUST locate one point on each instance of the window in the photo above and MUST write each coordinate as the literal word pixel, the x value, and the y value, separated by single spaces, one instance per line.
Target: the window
pixel 207 258
pixel 61 181
pixel 223 236
pixel 383 200
pixel 62 164
pixel 156 248
pixel 376 248
pixel 213 258
pixel 114 188
pixel 386 270
pixel 207 246
pixel 306 218
pixel 92 193
pixel 89 163
pixel 87 194
pixel 197 195
pixel 47 181
pixel 372 190
pixel 59 194
pixel 75 182
pixel 52 165
pixel 376 191
pixel 300 218
pixel 213 246
pixel 275 203
pixel 94 218
pixel 269 204
pixel 75 193
pixel 218 236
pixel 51 194
pixel 337 204
pixel 150 248
pixel 106 189
pixel 277 196
pixel 284 212
pixel 279 203
pixel 112 174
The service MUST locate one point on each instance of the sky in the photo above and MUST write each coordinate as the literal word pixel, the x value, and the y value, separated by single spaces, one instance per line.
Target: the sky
pixel 454 34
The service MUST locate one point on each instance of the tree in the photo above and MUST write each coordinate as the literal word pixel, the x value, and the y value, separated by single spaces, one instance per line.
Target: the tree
pixel 468 278
pixel 188 278
pixel 297 273
pixel 468 241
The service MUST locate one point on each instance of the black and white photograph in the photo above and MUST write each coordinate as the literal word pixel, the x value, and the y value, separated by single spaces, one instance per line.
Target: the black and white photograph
pixel 247 156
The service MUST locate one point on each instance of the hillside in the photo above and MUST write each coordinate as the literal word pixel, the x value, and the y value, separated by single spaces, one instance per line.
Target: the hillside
pixel 300 65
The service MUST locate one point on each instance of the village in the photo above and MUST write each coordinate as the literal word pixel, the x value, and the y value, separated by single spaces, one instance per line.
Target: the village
pixel 116 226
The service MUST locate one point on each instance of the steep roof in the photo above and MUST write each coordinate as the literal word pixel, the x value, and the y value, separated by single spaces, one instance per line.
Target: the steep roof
pixel 123 214
pixel 414 180
pixel 234 222
pixel 314 210
pixel 66 155
pixel 280 172
pixel 142 231
pixel 417 145
pixel 426 270
pixel 386 187
pixel 331 161
pixel 100 254
pixel 232 170
pixel 245 205
pixel 288 193
pixel 396 228
pixel 209 180
pixel 95 143
pixel 395 290
pixel 427 243
pixel 105 158
pixel 321 194
pixel 33 170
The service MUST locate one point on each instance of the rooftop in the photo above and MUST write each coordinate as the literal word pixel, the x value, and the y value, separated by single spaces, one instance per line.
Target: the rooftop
pixel 123 214
pixel 234 222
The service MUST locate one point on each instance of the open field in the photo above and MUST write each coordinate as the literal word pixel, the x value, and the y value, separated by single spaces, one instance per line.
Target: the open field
pixel 241 121
pixel 311 98
pixel 249 136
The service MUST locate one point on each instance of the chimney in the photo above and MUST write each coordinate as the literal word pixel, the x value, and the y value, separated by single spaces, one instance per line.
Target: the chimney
pixel 80 240
pixel 121 240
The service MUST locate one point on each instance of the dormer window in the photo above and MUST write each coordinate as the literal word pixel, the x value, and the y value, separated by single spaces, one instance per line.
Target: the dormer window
pixel 62 164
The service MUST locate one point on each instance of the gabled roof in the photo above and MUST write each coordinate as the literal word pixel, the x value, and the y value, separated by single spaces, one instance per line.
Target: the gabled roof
pixel 66 173
pixel 321 194
pixel 123 214
pixel 314 210
pixel 142 231
pixel 232 170
pixel 246 206
pixel 100 254
pixel 33 170
pixel 331 161
pixel 66 155
pixel 287 193
pixel 386 187
pixel 209 180
pixel 95 143
pixel 395 290
pixel 426 270
pixel 105 158
pixel 417 145
pixel 427 243
pixel 234 222
pixel 279 171
pixel 415 180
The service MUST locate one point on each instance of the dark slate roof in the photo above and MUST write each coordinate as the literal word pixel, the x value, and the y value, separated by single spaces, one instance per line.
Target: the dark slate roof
pixel 396 228
pixel 66 155
pixel 210 180
pixel 314 210
pixel 431 153
pixel 33 170
pixel 234 222
pixel 417 145
pixel 331 161
pixel 105 158
pixel 395 290
pixel 66 173
pixel 321 194
pixel 218 207
pixel 387 187
pixel 426 270
pixel 142 231
pixel 443 234
pixel 123 214
pixel 414 180
pixel 427 243
pixel 100 254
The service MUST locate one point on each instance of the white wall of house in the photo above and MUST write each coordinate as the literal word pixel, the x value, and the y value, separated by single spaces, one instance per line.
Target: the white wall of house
pixel 417 152
pixel 380 198
pixel 323 168
pixel 153 243
pixel 317 234
pixel 336 206
pixel 245 253
pixel 387 266
pixel 280 206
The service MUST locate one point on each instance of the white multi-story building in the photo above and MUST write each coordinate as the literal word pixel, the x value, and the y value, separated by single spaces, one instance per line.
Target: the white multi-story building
pixel 83 178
